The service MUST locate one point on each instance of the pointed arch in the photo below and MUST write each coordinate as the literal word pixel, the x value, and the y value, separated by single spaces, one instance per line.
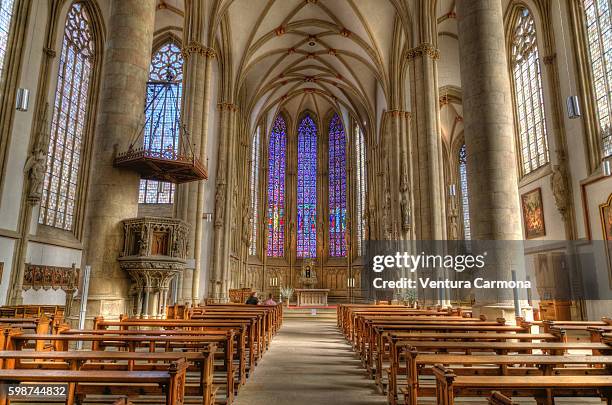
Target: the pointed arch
pixel 525 70
pixel 337 187
pixel 277 165
pixel 307 131
pixel 162 115
pixel 72 115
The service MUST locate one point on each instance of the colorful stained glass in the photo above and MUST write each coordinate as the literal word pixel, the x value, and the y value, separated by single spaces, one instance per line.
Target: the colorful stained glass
pixel 465 204
pixel 254 185
pixel 599 37
pixel 162 111
pixel 276 188
pixel 307 188
pixel 528 99
pixel 360 187
pixel 68 121
pixel 6 15
pixel 337 188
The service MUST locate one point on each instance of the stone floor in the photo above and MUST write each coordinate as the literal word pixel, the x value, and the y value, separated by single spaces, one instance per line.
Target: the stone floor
pixel 309 363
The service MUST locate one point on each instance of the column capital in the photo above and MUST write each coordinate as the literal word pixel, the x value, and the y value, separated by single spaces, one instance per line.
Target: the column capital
pixel 424 49
pixel 399 113
pixel 198 48
pixel 225 106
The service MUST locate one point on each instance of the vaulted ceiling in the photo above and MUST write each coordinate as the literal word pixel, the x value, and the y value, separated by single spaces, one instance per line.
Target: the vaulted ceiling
pixel 314 54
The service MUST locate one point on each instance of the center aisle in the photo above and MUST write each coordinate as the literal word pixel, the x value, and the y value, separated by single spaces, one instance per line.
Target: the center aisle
pixel 309 362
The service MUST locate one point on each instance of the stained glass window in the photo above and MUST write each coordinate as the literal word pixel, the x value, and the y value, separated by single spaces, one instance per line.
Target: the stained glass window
pixel 6 15
pixel 361 187
pixel 528 99
pixel 68 121
pixel 337 188
pixel 276 188
pixel 162 111
pixel 465 204
pixel 599 37
pixel 307 188
pixel 254 190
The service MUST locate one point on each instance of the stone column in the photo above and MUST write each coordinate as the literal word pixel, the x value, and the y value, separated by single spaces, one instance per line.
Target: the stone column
pixel 113 192
pixel 489 133
pixel 429 204
pixel 196 102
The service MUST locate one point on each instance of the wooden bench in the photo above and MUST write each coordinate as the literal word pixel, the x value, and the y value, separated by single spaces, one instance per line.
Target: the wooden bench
pixel 494 365
pixel 171 382
pixel 132 342
pixel 202 362
pixel 543 388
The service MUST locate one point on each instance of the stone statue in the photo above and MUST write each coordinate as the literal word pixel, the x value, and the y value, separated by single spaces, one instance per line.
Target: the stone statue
pixel 219 205
pixel 36 164
pixel 453 228
pixel 247 228
pixel 560 189
pixel 405 204
pixel 386 219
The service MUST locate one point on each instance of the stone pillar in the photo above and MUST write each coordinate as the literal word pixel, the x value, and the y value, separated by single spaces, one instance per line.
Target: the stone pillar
pixel 196 103
pixel 429 204
pixel 218 276
pixel 113 192
pixel 489 133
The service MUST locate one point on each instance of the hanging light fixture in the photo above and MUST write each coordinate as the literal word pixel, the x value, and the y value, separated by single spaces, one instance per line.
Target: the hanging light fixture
pixel 23 99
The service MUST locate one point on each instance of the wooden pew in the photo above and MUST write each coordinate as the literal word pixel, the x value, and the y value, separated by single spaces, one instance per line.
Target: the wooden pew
pixel 132 342
pixel 171 381
pixel 542 388
pixel 496 365
pixel 201 361
pixel 246 332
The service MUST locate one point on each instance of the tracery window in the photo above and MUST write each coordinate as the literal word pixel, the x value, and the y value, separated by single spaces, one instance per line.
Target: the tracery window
pixel 599 37
pixel 6 15
pixel 69 121
pixel 337 188
pixel 162 122
pixel 528 97
pixel 254 185
pixel 361 187
pixel 277 150
pixel 463 186
pixel 307 188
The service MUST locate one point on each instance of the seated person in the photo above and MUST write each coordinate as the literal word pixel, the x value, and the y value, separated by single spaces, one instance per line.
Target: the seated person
pixel 269 301
pixel 253 300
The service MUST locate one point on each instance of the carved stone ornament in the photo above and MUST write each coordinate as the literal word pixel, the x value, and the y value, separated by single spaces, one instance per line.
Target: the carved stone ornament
pixel 154 252
pixel 386 219
pixel 560 189
pixel 405 204
pixel 36 164
pixel 219 205
pixel 50 277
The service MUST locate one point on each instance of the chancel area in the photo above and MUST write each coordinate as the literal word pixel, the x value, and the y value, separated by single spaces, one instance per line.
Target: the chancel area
pixel 195 196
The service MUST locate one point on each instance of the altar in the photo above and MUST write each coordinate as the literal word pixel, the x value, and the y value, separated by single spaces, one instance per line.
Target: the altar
pixel 315 297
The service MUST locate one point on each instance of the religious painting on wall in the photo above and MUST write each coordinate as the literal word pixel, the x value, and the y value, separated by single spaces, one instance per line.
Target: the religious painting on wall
pixel 533 214
pixel 605 211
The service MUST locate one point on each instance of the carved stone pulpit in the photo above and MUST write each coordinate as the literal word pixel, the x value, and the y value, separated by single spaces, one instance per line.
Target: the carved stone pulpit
pixel 154 252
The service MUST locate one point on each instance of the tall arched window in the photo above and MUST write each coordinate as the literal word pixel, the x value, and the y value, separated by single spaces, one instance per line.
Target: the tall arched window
pixel 599 37
pixel 69 120
pixel 307 188
pixel 463 186
pixel 276 188
pixel 254 185
pixel 360 187
pixel 162 111
pixel 6 16
pixel 528 98
pixel 337 188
